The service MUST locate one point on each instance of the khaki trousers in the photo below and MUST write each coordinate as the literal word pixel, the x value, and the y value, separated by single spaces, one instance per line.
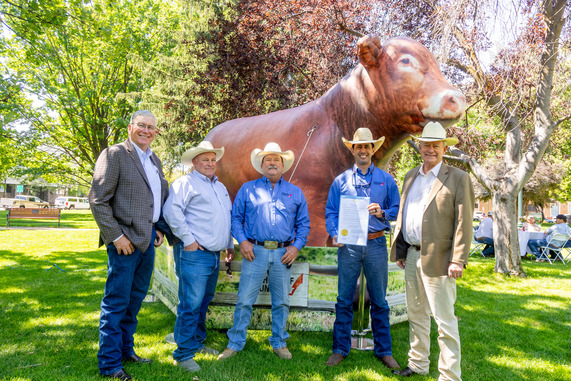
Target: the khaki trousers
pixel 436 295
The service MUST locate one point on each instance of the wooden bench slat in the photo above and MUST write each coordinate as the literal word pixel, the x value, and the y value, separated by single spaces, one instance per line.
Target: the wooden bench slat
pixel 33 214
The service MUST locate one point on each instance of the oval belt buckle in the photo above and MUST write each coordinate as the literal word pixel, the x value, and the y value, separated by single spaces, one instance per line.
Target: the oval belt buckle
pixel 271 245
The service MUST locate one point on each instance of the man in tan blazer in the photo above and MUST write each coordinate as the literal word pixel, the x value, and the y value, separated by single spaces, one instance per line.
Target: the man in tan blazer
pixel 432 244
pixel 127 193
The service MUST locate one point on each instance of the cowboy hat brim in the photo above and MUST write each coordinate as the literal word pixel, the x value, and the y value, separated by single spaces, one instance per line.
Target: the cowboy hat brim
pixel 376 143
pixel 258 155
pixel 447 141
pixel 195 151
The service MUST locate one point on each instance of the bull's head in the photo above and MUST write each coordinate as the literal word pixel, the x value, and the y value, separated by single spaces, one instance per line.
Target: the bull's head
pixel 409 89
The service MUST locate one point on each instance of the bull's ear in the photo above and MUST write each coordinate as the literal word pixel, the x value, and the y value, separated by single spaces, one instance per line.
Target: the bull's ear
pixel 369 50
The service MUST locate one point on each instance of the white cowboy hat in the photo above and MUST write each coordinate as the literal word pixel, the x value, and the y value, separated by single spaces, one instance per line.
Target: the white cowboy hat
pixel 202 147
pixel 364 135
pixel 271 149
pixel 434 132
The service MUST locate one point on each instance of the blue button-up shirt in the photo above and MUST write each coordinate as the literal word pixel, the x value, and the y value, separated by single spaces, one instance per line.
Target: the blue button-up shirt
pixel 376 184
pixel 198 209
pixel 266 214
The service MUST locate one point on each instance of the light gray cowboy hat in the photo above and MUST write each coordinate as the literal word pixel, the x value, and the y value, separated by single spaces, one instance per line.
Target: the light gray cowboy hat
pixel 271 149
pixel 364 135
pixel 202 147
pixel 434 132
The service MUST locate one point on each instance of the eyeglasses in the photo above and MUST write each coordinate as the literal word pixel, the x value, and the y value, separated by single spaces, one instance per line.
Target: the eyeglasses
pixel 147 127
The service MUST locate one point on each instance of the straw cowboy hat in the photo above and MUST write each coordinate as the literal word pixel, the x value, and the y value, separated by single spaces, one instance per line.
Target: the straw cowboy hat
pixel 434 132
pixel 202 147
pixel 271 149
pixel 364 135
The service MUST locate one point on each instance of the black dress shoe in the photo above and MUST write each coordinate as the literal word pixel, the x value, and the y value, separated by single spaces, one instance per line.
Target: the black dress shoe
pixel 135 358
pixel 406 372
pixel 120 375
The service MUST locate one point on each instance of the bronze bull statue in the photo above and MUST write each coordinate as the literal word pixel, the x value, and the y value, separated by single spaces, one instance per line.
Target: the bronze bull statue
pixel 395 90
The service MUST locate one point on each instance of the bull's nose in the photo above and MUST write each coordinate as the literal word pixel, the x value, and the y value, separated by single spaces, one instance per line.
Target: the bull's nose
pixel 453 103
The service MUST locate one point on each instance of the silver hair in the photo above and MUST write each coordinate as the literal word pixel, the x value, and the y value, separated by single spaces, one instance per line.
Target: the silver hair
pixel 140 113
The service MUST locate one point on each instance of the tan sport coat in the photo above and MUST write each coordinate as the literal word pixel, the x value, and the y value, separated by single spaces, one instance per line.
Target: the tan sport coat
pixel 446 224
pixel 121 198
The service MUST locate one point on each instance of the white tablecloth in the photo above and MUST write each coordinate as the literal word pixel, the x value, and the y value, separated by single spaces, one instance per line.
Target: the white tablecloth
pixel 524 237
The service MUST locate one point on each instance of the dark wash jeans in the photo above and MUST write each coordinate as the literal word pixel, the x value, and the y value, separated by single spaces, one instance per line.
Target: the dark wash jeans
pixel 373 258
pixel 197 273
pixel 128 279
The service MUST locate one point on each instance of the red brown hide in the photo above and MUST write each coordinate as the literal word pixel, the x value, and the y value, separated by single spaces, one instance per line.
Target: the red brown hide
pixel 395 90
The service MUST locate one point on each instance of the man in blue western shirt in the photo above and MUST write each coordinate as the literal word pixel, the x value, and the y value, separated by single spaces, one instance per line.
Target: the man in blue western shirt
pixel 270 220
pixel 364 180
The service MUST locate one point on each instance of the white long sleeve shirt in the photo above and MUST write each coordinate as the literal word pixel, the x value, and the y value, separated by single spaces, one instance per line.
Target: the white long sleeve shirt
pixel 198 209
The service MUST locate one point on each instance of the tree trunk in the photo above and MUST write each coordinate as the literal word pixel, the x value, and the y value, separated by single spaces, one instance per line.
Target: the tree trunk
pixel 506 239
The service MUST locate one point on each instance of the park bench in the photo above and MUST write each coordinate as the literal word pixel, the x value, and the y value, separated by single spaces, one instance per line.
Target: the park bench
pixel 33 214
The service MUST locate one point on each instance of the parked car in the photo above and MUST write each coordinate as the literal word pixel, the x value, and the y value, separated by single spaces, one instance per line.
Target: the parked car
pixel 24 201
pixel 478 215
pixel 64 202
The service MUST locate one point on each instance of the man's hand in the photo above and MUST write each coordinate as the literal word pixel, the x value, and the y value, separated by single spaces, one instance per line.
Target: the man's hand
pixel 335 243
pixel 160 238
pixel 229 255
pixel 193 247
pixel 455 270
pixel 124 246
pixel 401 263
pixel 375 210
pixel 290 255
pixel 247 250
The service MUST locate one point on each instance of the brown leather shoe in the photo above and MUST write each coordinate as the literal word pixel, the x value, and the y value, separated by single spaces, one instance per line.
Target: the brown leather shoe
pixel 334 359
pixel 406 372
pixel 283 353
pixel 390 362
pixel 227 353
pixel 120 375
pixel 138 359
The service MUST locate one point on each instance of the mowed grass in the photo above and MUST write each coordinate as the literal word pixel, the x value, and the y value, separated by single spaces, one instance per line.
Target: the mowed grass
pixel 511 328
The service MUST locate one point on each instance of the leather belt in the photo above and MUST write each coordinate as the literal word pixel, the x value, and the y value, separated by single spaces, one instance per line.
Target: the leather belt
pixel 416 247
pixel 376 235
pixel 270 245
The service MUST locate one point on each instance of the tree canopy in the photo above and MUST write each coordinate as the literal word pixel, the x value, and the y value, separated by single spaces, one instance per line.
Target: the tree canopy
pixel 79 59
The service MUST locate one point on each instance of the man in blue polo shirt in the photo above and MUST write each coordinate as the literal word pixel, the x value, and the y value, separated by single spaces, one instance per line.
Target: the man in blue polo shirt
pixel 364 179
pixel 270 220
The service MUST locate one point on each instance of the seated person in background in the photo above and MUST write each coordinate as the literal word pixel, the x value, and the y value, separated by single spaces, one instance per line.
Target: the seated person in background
pixel 530 225
pixel 560 227
pixel 485 234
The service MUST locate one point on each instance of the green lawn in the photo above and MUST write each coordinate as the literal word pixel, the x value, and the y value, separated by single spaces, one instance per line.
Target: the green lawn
pixel 511 328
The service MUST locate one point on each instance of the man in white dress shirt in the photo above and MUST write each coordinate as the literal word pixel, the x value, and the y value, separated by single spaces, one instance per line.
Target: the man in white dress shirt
pixel 198 212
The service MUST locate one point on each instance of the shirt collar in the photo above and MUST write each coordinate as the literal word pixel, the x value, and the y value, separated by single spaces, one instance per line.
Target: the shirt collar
pixel 434 170
pixel 142 154
pixel 266 180
pixel 358 170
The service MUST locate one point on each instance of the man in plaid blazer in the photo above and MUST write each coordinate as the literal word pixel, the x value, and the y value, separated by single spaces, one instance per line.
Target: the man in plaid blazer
pixel 126 198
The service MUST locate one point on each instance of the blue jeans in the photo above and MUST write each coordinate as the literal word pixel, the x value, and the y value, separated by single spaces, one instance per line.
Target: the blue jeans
pixel 251 278
pixel 489 249
pixel 373 259
pixel 128 279
pixel 535 244
pixel 197 273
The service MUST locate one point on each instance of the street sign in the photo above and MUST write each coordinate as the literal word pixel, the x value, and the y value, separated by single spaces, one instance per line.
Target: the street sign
pixel 19 188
